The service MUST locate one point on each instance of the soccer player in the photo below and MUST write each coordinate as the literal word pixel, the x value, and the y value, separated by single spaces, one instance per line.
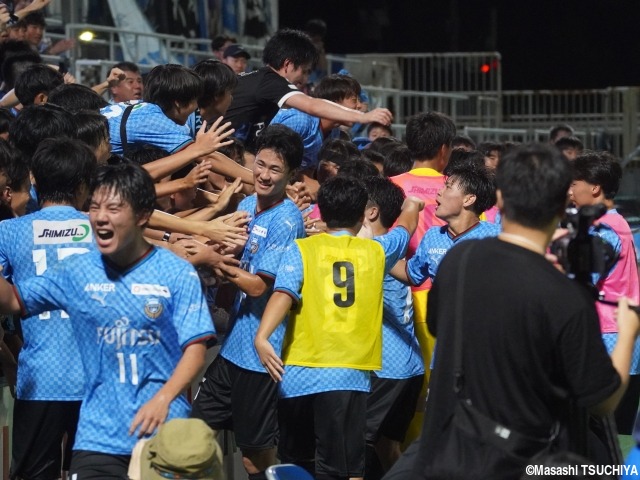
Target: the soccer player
pixel 596 180
pixel 468 191
pixel 395 388
pixel 139 317
pixel 333 338
pixel 236 393
pixel 51 382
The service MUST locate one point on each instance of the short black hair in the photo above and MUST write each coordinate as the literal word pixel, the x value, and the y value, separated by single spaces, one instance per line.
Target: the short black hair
pixel 146 154
pixel 16 63
pixel 6 119
pixel 92 128
pixel 130 182
pixel 166 84
pixel 534 180
pixel 75 97
pixel 37 122
pixel 387 196
pixel 462 157
pixel 598 168
pixel 36 79
pixel 285 142
pixel 381 144
pixel 35 18
pixel 358 168
pixel 489 146
pixel 217 78
pixel 218 42
pixel 373 125
pixel 60 167
pixel 337 146
pixel 342 201
pixel 460 141
pixel 337 88
pixel 556 129
pixel 427 133
pixel 288 44
pixel 569 142
pixel 13 165
pixel 475 179
pixel 397 160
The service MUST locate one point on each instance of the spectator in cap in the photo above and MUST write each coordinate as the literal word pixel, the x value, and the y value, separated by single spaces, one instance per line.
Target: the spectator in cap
pixel 236 57
pixel 183 448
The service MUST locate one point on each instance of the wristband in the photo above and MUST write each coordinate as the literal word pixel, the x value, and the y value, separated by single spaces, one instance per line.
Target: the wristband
pixel 166 236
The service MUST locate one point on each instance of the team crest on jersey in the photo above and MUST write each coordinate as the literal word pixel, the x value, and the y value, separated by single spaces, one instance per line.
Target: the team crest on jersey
pixel 153 308
pixel 253 247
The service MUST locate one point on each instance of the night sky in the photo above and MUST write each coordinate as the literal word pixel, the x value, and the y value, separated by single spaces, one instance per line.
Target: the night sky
pixel 544 44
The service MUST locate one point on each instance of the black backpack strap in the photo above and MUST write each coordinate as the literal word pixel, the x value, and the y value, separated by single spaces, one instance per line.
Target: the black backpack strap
pixel 123 129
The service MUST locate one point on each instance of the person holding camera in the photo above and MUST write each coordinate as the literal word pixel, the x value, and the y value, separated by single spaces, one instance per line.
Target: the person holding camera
pixel 596 180
pixel 518 341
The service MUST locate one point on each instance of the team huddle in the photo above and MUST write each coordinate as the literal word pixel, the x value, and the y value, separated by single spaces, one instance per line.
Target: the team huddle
pixel 198 191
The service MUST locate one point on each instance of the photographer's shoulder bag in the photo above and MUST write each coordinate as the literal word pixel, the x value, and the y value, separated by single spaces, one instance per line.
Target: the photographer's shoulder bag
pixel 493 444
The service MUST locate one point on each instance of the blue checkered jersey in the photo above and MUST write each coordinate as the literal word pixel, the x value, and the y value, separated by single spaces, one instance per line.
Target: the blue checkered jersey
pixel 308 127
pixel 298 381
pixel 609 235
pixel 132 326
pixel 271 232
pixel 147 125
pixel 401 355
pixel 49 366
pixel 436 243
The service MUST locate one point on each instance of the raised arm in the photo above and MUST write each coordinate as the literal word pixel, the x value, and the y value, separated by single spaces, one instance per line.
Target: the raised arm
pixel 408 218
pixel 628 327
pixel 337 113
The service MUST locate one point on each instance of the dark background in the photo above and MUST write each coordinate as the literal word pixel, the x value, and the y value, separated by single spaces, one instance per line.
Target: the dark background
pixel 544 44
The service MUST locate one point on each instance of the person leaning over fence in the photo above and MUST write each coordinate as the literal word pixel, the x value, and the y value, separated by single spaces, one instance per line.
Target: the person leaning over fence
pixel 288 57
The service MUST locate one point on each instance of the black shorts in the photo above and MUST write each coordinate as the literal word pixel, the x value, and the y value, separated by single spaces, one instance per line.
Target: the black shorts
pixel 390 407
pixel 232 398
pixel 327 426
pixel 39 428
pixel 98 466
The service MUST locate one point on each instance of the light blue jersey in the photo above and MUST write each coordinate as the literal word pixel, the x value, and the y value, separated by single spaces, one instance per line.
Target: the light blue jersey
pixel 271 232
pixel 147 125
pixel 298 381
pixel 132 327
pixel 49 366
pixel 308 127
pixel 401 355
pixel 436 243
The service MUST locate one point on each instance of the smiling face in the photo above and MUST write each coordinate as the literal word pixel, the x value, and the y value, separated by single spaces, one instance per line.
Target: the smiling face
pixel 116 227
pixel 271 175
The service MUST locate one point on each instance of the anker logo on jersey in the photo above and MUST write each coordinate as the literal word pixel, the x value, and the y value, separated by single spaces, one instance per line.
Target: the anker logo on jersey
pixel 50 232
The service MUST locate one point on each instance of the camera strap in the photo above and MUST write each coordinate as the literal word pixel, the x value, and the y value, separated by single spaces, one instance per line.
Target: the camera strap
pixel 123 129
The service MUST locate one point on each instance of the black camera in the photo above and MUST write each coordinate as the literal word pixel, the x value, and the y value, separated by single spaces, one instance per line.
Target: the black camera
pixel 580 253
pixel 13 19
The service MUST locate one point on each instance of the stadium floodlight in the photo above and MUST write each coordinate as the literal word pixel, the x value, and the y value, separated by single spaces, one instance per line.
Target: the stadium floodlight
pixel 87 36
